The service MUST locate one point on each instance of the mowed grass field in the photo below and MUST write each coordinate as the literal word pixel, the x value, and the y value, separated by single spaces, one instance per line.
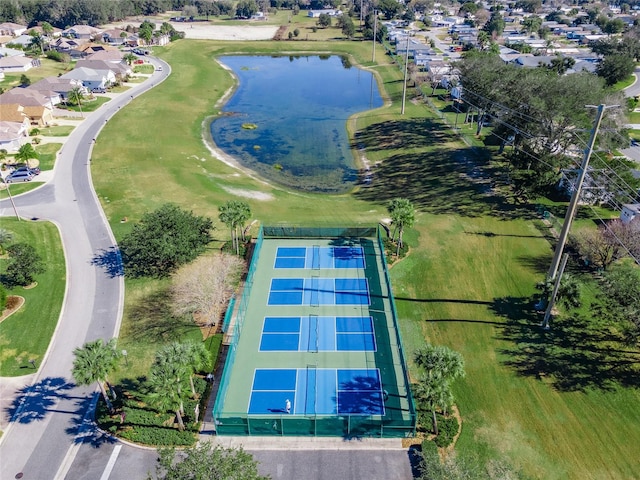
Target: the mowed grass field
pixel 467 282
pixel 26 334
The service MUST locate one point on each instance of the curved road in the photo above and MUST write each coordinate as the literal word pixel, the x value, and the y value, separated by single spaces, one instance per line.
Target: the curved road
pixel 51 417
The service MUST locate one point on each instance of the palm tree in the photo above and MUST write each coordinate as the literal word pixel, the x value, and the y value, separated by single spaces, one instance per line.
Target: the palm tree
pixel 77 94
pixel 26 153
pixel 166 392
pixel 402 215
pixel 93 363
pixel 433 395
pixel 187 357
pixel 129 58
pixel 234 214
pixel 197 357
pixel 5 238
pixel 47 29
pixel 441 366
pixel 37 41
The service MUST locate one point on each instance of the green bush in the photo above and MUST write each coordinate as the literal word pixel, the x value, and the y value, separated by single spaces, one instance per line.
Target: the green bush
pixel 164 436
pixel 3 298
pixel 429 446
pixel 447 429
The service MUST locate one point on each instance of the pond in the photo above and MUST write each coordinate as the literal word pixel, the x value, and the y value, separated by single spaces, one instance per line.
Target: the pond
pixel 287 120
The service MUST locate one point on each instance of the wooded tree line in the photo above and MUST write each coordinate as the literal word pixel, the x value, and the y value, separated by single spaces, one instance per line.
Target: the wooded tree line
pixel 541 115
pixel 65 13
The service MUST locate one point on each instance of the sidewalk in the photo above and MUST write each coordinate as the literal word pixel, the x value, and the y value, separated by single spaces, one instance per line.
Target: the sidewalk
pixel 306 443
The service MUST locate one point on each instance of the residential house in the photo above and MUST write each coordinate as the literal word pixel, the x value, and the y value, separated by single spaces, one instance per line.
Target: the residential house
pixel 14 126
pixel 120 70
pixel 107 56
pixel 17 64
pixel 67 45
pixel 629 212
pixel 92 79
pixel 11 52
pixel 24 41
pixel 12 29
pixel 59 85
pixel 54 34
pixel 332 12
pixel 84 32
pixel 37 106
pixel 13 135
pixel 114 36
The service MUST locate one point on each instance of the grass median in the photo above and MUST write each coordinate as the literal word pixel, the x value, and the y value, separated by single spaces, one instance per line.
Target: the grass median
pixel 467 282
pixel 25 335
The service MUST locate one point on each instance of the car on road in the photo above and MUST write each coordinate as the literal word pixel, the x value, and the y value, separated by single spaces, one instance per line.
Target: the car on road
pixel 159 68
pixel 20 176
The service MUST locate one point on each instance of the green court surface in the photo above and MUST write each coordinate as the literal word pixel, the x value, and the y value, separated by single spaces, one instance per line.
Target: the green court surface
pixel 314 345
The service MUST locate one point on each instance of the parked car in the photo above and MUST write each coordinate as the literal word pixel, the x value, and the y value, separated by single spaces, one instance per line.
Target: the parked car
pixel 99 90
pixel 20 176
pixel 34 170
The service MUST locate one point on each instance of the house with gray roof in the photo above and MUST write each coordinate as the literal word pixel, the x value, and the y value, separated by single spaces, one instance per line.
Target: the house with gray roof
pixel 92 79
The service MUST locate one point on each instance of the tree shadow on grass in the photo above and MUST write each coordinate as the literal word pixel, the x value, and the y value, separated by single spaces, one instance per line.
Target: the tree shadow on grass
pixel 436 178
pixel 33 402
pixel 574 355
pixel 153 321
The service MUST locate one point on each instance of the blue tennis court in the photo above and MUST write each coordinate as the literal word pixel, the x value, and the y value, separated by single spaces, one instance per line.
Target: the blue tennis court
pixel 317 257
pixel 319 291
pixel 318 334
pixel 317 391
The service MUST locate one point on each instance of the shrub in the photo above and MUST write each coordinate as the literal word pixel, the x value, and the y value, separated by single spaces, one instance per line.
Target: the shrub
pixel 57 56
pixel 3 298
pixel 447 429
pixel 24 263
pixel 429 447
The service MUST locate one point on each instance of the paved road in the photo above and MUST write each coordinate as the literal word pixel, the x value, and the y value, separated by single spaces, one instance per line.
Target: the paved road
pixel 50 416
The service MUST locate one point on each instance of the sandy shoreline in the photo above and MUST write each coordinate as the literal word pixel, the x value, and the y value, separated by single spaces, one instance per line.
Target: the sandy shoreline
pixel 207 31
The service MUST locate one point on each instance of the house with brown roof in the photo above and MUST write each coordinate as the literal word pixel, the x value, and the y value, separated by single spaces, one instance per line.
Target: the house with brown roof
pixel 85 32
pixel 114 36
pixel 59 85
pixel 30 98
pixel 12 29
pixel 67 45
pixel 17 64
pixel 14 127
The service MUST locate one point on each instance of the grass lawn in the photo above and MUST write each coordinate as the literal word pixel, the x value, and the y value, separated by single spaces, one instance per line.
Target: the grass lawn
pixel 26 334
pixel 47 68
pixel 89 104
pixel 146 68
pixel 56 131
pixel 467 282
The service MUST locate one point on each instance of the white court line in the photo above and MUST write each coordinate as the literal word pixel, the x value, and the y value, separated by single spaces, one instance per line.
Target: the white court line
pixel 111 463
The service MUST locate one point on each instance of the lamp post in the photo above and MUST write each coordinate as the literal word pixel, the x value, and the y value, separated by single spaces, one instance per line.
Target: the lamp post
pixel 15 210
pixel 126 359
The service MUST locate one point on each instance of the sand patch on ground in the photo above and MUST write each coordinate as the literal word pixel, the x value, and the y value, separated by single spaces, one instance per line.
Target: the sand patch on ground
pixel 262 196
pixel 207 31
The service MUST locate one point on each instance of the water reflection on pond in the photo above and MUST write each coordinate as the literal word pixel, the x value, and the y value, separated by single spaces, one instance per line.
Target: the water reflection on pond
pixel 287 119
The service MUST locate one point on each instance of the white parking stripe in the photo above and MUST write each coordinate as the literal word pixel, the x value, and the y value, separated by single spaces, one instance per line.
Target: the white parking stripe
pixel 111 463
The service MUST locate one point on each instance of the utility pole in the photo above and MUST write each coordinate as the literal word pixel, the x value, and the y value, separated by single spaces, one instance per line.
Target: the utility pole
pixel 375 30
pixel 554 293
pixel 15 210
pixel 575 198
pixel 406 68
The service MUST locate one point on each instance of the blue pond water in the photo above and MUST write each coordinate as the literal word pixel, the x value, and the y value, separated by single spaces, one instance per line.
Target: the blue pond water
pixel 300 106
